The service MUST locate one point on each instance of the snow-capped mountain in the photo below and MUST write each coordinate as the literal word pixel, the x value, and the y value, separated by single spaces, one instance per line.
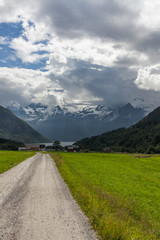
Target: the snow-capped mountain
pixel 41 112
pixel 72 122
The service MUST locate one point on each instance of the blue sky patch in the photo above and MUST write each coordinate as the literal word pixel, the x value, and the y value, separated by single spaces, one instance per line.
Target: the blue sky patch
pixel 11 30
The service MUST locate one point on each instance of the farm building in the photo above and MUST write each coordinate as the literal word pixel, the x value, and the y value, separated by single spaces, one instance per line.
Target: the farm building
pixel 73 148
pixel 107 150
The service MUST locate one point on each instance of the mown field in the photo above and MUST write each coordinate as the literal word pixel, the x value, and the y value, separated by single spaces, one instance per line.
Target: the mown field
pixel 9 159
pixel 119 193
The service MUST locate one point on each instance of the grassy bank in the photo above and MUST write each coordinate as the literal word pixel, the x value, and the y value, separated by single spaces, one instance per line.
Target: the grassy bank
pixel 9 159
pixel 119 193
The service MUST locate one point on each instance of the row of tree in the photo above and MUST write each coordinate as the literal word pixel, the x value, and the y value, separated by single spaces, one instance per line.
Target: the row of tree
pixel 10 144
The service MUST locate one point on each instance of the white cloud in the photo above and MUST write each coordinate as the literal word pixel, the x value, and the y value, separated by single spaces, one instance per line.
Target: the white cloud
pixel 58 50
pixel 27 51
pixel 25 85
pixel 149 78
pixel 31 85
pixel 13 11
pixel 106 33
pixel 150 16
pixel 58 23
pixel 29 46
pixel 35 32
pixel 93 51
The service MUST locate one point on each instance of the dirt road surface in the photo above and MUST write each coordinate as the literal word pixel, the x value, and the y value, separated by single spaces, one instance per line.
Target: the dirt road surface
pixel 35 204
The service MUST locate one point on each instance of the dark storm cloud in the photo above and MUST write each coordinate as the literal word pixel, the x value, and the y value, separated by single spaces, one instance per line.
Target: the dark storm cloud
pixel 59 90
pixel 150 45
pixel 104 19
pixel 115 21
pixel 9 94
pixel 150 42
pixel 114 85
pixel 126 61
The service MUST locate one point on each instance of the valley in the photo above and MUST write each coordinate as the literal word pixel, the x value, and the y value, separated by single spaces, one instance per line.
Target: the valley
pixel 71 122
pixel 79 120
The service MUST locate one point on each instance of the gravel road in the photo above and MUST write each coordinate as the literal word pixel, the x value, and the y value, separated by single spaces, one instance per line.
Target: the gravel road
pixel 35 204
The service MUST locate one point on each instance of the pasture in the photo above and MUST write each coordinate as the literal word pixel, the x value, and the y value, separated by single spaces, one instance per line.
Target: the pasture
pixel 9 159
pixel 119 193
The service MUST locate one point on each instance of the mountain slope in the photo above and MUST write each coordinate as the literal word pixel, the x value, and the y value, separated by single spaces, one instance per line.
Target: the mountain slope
pixel 10 144
pixel 71 122
pixel 11 127
pixel 144 136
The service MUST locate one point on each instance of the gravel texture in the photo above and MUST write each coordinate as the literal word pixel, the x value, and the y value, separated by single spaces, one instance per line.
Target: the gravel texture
pixel 35 204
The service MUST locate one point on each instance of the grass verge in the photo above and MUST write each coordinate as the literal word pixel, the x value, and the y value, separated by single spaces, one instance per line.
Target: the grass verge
pixel 9 159
pixel 119 193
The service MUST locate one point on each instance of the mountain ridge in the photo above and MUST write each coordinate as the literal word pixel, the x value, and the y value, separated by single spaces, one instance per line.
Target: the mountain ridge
pixel 14 128
pixel 71 122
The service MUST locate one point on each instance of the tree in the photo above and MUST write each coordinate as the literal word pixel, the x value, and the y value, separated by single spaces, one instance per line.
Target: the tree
pixel 57 145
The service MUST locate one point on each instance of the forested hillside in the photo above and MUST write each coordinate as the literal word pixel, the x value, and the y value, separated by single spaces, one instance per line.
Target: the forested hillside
pixel 10 144
pixel 143 137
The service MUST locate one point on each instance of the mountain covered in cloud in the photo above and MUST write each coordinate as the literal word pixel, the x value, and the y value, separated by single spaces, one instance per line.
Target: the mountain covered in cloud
pixel 71 122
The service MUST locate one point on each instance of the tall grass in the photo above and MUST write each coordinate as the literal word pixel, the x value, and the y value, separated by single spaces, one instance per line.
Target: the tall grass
pixel 9 159
pixel 119 193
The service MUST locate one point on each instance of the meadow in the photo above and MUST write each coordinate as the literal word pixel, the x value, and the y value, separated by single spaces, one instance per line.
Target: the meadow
pixel 119 193
pixel 9 159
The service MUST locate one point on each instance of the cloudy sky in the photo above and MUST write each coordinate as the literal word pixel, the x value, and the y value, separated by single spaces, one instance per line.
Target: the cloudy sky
pixel 80 51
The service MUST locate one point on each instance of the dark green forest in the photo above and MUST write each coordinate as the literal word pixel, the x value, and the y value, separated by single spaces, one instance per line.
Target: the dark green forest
pixel 143 137
pixel 10 144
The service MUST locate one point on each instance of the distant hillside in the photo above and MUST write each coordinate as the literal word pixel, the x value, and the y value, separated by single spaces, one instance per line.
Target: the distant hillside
pixel 12 127
pixel 10 144
pixel 142 137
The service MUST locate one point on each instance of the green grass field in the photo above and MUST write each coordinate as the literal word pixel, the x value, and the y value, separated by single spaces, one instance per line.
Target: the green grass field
pixel 119 193
pixel 9 159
